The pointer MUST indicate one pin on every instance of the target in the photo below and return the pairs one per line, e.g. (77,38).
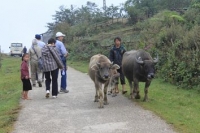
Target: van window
(16,45)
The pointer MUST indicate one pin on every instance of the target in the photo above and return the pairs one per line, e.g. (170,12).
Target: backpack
(40,61)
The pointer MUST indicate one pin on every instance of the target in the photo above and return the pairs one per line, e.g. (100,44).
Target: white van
(16,49)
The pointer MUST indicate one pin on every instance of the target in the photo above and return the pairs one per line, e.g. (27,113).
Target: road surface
(75,112)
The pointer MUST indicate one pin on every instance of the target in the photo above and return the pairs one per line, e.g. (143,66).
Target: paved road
(76,112)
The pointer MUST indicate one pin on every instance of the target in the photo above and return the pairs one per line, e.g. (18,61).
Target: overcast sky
(21,19)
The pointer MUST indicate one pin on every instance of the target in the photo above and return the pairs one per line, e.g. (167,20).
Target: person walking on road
(40,43)
(63,55)
(25,76)
(116,55)
(24,50)
(35,54)
(51,64)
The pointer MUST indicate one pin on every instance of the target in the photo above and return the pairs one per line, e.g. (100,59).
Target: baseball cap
(58,34)
(37,36)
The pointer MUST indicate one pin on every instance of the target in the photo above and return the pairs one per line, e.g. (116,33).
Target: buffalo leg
(136,89)
(96,97)
(147,84)
(131,88)
(100,89)
(105,95)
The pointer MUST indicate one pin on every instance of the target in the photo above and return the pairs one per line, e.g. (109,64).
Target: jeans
(63,84)
(52,76)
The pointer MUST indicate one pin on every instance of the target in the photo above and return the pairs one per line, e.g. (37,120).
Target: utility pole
(104,6)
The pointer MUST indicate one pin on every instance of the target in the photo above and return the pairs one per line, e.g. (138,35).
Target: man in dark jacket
(116,54)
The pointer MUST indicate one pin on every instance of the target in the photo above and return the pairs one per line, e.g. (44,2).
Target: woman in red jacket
(25,77)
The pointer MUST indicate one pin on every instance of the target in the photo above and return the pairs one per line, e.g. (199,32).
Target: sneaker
(54,97)
(47,94)
(39,84)
(64,91)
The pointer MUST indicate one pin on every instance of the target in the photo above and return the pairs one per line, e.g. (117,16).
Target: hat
(37,36)
(58,34)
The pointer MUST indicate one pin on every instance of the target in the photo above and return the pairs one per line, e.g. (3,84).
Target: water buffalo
(100,72)
(113,82)
(138,66)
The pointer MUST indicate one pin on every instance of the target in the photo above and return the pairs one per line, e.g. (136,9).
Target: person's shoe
(47,94)
(39,84)
(64,91)
(124,92)
(54,97)
(34,85)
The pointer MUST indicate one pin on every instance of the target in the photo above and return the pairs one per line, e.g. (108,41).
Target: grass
(10,88)
(177,107)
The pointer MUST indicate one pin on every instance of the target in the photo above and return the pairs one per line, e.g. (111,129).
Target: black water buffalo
(100,71)
(138,66)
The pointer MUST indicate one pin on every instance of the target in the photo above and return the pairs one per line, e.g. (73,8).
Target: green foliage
(177,45)
(174,35)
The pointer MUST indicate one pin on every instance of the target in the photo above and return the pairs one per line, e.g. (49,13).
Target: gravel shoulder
(75,112)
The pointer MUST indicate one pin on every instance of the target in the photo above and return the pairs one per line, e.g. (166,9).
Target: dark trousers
(122,78)
(52,76)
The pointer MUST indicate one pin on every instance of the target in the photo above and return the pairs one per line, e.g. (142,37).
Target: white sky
(21,19)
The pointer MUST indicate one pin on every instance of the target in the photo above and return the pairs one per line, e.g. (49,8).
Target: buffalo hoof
(114,95)
(131,96)
(101,107)
(96,100)
(137,97)
(145,100)
(105,103)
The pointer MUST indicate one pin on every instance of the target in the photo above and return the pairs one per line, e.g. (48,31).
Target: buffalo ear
(115,66)
(94,67)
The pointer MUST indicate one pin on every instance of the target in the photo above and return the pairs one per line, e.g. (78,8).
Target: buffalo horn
(139,61)
(155,59)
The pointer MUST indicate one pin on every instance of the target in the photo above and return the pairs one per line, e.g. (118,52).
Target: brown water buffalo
(100,72)
(113,82)
(138,66)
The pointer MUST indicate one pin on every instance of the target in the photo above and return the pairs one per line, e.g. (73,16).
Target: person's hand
(26,77)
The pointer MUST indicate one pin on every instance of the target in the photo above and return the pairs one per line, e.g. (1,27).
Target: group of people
(53,56)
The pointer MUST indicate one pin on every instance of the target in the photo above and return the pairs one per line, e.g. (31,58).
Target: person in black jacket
(116,54)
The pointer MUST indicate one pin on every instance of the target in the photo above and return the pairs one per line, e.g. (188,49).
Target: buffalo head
(104,69)
(148,67)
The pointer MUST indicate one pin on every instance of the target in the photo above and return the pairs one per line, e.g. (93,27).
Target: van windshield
(16,45)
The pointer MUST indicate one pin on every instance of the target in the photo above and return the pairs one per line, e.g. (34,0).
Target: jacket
(116,55)
(32,54)
(24,70)
(51,58)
